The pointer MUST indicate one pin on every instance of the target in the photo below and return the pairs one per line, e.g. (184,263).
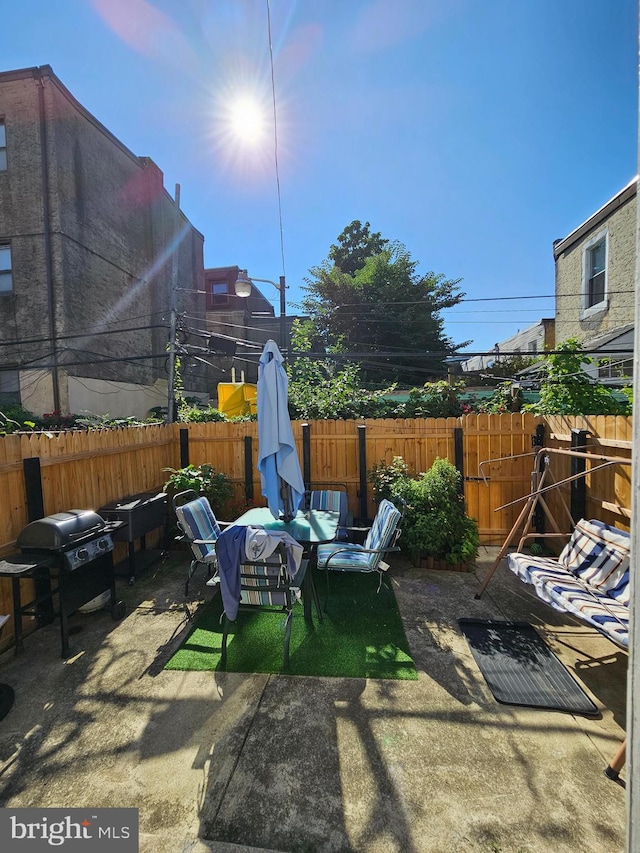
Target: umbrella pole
(285,492)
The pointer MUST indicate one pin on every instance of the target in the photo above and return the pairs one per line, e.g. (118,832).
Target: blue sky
(473,131)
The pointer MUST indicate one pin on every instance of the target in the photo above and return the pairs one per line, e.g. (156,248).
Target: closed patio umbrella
(278,463)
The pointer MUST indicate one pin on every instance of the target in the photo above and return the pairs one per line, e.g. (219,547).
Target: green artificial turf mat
(361,636)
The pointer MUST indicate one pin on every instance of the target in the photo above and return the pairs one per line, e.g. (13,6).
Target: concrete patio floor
(233,762)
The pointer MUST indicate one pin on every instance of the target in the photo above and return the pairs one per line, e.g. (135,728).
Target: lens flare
(247,121)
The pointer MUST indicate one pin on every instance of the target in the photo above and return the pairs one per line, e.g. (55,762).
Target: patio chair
(199,527)
(381,539)
(335,499)
(265,585)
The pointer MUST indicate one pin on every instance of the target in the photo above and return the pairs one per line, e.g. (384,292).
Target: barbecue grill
(75,548)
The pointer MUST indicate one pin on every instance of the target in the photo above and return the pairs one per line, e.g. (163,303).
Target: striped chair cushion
(333,500)
(352,557)
(254,577)
(556,586)
(599,555)
(384,525)
(199,522)
(330,500)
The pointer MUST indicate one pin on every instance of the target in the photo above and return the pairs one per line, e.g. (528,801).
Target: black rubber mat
(521,669)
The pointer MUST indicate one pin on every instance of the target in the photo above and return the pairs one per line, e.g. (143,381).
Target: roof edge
(622,197)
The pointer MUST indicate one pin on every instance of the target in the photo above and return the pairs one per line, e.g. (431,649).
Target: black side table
(7,696)
(141,514)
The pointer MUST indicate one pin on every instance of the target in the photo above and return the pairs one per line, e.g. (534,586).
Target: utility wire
(275,135)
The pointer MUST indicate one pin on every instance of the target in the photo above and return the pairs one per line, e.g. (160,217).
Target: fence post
(362,462)
(538,515)
(458,449)
(578,466)
(184,447)
(45,613)
(33,487)
(248,468)
(306,455)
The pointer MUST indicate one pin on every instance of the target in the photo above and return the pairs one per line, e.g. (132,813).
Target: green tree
(355,244)
(322,389)
(567,390)
(367,297)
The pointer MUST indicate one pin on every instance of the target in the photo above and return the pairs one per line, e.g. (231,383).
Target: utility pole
(173,319)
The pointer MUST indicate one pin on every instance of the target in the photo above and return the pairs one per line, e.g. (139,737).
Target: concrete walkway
(230,762)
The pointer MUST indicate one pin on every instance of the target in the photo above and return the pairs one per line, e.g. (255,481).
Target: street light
(243,289)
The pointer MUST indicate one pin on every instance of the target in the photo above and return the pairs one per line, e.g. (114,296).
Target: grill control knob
(82,554)
(103,545)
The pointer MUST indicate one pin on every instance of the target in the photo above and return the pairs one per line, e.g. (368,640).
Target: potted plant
(436,531)
(217,487)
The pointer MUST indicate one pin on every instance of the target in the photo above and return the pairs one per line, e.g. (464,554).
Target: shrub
(198,415)
(435,523)
(433,400)
(13,417)
(385,477)
(217,487)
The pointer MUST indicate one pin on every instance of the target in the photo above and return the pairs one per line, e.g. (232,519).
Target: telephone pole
(173,319)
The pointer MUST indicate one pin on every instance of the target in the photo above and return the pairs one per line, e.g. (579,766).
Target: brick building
(251,319)
(87,238)
(595,284)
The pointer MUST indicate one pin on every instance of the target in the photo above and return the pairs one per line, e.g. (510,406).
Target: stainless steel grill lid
(60,530)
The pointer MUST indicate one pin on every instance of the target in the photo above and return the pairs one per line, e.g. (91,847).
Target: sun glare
(247,121)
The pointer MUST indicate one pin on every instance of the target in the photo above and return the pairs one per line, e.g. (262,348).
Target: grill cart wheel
(118,610)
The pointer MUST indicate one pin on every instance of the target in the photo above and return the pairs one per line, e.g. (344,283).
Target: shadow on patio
(225,761)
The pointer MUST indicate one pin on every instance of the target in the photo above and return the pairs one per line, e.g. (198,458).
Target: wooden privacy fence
(84,470)
(343,452)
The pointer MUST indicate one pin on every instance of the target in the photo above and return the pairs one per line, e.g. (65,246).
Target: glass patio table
(310,528)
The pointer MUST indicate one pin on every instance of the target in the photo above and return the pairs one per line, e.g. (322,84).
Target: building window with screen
(219,293)
(6,279)
(9,387)
(3,146)
(595,273)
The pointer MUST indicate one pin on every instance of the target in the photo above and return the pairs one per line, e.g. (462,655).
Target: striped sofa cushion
(599,555)
(199,522)
(557,587)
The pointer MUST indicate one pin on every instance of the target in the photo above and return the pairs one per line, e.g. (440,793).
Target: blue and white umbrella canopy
(278,463)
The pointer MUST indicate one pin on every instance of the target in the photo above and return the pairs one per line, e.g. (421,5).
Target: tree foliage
(355,244)
(368,297)
(320,388)
(567,390)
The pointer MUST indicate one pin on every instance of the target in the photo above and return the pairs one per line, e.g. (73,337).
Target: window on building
(219,293)
(532,346)
(9,388)
(3,147)
(595,272)
(615,368)
(6,279)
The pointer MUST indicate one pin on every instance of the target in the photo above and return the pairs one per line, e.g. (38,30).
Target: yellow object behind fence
(237,398)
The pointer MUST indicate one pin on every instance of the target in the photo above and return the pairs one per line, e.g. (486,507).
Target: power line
(275,135)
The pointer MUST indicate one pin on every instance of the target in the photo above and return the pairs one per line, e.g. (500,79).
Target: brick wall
(112,227)
(621,228)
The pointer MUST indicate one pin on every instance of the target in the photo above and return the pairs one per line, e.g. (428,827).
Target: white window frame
(603,305)
(3,146)
(6,273)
